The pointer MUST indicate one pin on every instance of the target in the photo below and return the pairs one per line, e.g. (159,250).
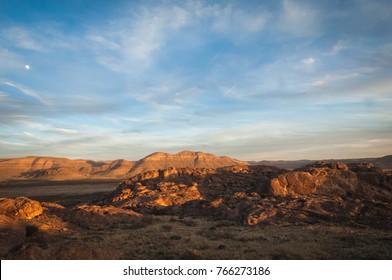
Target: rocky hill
(382,162)
(160,160)
(49,168)
(262,194)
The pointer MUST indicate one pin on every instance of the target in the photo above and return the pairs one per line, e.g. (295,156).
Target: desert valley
(194,205)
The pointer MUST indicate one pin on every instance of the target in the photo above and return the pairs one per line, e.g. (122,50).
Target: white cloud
(42,37)
(26,91)
(17,144)
(308,61)
(139,41)
(299,19)
(104,42)
(22,38)
(133,43)
(333,79)
(338,47)
(63,131)
(233,19)
(9,59)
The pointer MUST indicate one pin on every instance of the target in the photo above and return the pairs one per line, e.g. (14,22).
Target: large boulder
(333,179)
(20,207)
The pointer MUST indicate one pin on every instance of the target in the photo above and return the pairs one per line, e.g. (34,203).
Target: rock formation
(34,230)
(20,207)
(358,180)
(263,194)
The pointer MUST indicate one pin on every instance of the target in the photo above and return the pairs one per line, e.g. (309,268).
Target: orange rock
(21,207)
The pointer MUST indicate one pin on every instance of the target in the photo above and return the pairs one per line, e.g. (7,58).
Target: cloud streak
(26,91)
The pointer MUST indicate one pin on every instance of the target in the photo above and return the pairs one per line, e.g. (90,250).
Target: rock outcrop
(360,180)
(20,207)
(174,187)
(33,230)
(262,194)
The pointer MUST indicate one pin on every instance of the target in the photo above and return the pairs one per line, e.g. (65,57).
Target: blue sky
(252,80)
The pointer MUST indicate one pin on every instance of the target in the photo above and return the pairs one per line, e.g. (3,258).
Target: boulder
(20,207)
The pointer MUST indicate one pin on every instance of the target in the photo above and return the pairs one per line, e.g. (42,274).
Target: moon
(27,67)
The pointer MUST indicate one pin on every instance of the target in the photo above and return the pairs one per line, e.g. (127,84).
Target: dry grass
(171,237)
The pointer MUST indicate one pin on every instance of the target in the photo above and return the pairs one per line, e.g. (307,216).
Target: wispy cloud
(26,91)
(308,61)
(41,37)
(63,131)
(10,60)
(134,42)
(299,19)
(22,38)
(230,19)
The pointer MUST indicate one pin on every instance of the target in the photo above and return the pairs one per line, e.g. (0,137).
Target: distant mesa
(61,169)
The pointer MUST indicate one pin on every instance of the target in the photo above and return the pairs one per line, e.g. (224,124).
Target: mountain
(382,162)
(183,159)
(286,164)
(61,169)
(58,169)
(50,168)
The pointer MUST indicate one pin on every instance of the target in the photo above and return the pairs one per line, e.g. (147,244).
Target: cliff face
(49,168)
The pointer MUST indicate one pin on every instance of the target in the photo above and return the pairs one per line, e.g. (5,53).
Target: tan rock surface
(20,207)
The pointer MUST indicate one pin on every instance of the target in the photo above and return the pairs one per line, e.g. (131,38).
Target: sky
(253,80)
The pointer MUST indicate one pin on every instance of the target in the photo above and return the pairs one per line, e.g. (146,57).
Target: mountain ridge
(384,162)
(58,169)
(62,169)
